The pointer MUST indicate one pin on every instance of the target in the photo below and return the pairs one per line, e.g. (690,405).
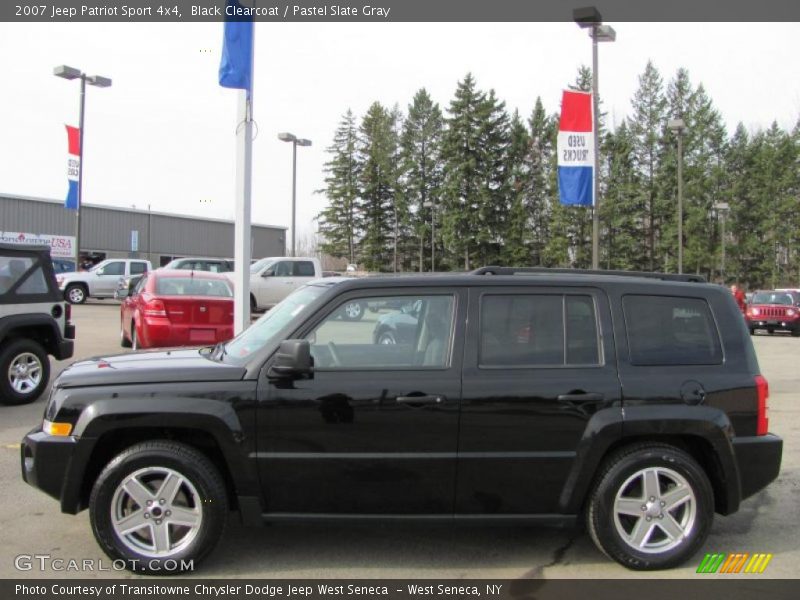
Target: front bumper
(48,462)
(776,323)
(759,461)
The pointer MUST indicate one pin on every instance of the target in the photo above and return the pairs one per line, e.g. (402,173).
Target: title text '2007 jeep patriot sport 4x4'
(632,400)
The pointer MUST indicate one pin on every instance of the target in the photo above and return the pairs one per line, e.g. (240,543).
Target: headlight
(790,313)
(755,312)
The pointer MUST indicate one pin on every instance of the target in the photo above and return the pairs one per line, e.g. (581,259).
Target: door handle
(587,397)
(420,399)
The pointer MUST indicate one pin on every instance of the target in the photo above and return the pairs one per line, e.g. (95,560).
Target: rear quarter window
(670,330)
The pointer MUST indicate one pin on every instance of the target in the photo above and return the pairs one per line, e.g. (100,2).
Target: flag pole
(242,233)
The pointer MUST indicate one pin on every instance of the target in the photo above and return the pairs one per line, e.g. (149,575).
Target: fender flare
(612,427)
(217,419)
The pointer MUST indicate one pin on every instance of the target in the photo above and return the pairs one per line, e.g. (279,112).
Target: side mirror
(292,361)
(121,293)
(100,271)
(268,273)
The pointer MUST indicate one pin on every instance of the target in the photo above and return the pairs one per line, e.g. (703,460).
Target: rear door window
(137,268)
(537,330)
(670,330)
(304,268)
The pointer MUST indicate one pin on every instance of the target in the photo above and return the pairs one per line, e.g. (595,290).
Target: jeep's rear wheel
(159,506)
(25,371)
(651,507)
(75,294)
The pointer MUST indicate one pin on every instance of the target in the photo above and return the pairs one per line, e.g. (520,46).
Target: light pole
(678,127)
(66,72)
(290,137)
(722,208)
(430,205)
(590,18)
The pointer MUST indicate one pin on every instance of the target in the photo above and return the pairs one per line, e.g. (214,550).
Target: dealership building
(111,232)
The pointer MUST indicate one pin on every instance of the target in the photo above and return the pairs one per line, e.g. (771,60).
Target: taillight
(762,389)
(68,311)
(154,308)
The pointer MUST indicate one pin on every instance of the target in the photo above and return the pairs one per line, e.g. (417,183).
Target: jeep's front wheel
(159,506)
(651,507)
(25,371)
(75,294)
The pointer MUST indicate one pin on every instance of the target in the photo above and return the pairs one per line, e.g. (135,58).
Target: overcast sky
(164,133)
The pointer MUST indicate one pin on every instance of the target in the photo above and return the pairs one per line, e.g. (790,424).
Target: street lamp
(70,73)
(590,18)
(678,127)
(428,204)
(722,208)
(290,137)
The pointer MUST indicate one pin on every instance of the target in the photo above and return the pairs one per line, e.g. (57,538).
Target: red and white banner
(61,246)
(73,166)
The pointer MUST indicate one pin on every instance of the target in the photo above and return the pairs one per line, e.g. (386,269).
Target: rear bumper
(759,461)
(162,333)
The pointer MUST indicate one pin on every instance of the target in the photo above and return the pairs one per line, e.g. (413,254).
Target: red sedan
(177,308)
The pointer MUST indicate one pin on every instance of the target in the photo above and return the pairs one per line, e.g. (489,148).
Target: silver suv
(34,322)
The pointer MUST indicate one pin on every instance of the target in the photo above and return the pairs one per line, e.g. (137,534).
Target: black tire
(202,485)
(353,311)
(253,305)
(123,341)
(134,338)
(387,337)
(770,331)
(619,475)
(28,382)
(75,294)
(752,330)
(796,332)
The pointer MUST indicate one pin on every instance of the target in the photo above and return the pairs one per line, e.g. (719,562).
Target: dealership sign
(61,246)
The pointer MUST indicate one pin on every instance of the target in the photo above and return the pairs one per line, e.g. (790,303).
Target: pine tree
(516,250)
(462,154)
(422,169)
(378,177)
(340,222)
(646,126)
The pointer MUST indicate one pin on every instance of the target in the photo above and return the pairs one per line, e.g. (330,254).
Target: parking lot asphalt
(32,524)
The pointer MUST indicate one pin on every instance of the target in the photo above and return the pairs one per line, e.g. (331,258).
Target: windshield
(98,265)
(262,332)
(260,264)
(773,298)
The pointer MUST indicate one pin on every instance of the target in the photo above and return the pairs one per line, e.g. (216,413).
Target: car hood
(163,366)
(72,276)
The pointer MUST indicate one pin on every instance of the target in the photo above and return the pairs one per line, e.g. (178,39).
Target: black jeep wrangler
(34,322)
(633,401)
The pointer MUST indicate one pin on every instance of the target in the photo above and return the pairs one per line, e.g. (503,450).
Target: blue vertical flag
(73,166)
(576,150)
(236,66)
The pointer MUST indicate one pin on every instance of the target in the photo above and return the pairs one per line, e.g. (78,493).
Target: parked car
(215,265)
(398,326)
(774,311)
(631,401)
(175,308)
(273,278)
(63,265)
(34,322)
(101,281)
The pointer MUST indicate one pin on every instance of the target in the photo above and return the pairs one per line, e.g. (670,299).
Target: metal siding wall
(109,230)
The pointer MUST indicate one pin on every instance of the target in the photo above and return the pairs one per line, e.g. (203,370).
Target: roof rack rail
(492,270)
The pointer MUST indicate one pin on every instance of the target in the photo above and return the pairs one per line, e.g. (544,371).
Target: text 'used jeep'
(633,401)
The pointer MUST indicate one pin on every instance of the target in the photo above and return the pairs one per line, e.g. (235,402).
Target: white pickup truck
(275,277)
(101,281)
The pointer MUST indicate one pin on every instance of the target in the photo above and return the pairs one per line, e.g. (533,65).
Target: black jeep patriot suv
(634,401)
